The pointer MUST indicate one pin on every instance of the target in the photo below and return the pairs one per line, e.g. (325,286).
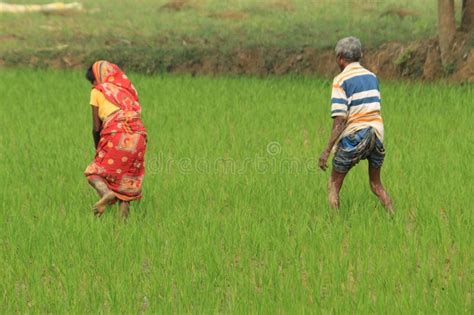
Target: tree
(467,22)
(446,30)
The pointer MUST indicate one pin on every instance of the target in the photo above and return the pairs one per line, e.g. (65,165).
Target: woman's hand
(96,125)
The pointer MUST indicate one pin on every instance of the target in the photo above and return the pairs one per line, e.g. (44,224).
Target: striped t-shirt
(356,96)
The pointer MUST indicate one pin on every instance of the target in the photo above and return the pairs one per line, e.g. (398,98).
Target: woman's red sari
(120,153)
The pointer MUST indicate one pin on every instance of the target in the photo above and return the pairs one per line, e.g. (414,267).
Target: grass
(207,239)
(224,26)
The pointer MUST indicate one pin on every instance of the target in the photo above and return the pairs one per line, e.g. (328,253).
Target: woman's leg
(107,196)
(99,185)
(124,209)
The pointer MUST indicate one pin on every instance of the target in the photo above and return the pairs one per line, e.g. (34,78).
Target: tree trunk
(467,23)
(446,30)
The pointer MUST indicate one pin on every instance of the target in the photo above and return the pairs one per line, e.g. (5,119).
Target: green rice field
(234,217)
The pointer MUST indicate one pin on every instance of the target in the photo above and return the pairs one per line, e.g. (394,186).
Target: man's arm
(96,125)
(338,126)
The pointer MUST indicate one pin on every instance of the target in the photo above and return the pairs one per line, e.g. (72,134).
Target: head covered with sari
(115,85)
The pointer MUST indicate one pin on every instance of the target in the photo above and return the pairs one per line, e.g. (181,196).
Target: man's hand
(323,159)
(338,126)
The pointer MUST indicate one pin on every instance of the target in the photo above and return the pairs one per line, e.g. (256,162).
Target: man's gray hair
(349,48)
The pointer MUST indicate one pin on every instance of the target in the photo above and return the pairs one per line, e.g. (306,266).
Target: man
(357,131)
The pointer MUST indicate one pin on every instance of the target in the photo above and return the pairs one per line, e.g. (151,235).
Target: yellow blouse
(105,107)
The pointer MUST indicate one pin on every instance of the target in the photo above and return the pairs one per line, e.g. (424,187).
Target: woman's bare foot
(124,208)
(107,199)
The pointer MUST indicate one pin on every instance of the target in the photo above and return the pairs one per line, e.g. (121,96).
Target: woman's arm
(96,125)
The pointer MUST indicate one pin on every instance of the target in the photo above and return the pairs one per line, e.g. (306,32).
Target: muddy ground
(419,60)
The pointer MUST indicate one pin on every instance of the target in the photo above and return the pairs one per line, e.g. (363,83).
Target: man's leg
(379,190)
(334,187)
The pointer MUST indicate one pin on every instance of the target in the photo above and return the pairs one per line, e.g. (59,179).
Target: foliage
(234,217)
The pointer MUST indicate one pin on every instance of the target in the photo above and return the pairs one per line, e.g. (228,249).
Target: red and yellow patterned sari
(120,153)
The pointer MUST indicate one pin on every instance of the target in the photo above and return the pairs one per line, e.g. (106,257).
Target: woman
(119,136)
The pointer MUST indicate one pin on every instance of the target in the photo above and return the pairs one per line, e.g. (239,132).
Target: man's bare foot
(334,202)
(334,186)
(390,209)
(107,199)
(124,209)
(378,189)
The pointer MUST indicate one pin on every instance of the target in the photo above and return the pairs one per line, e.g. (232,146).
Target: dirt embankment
(420,60)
